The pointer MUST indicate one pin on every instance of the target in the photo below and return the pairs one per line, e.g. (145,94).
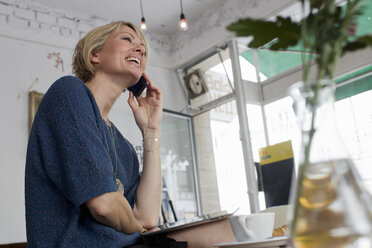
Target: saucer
(266,243)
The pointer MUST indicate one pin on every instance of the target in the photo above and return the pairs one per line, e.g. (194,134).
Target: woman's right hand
(148,110)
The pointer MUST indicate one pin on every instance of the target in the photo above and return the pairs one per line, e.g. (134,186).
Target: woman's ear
(94,58)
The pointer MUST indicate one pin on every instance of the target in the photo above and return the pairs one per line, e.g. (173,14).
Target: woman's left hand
(148,110)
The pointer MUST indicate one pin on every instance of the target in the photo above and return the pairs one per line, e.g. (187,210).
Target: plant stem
(307,145)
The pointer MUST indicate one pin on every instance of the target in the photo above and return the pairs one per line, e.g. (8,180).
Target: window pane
(256,129)
(363,115)
(282,124)
(177,167)
(247,65)
(228,156)
(247,69)
(346,125)
(354,118)
(220,160)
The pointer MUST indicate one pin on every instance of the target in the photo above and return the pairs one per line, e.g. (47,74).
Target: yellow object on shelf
(275,153)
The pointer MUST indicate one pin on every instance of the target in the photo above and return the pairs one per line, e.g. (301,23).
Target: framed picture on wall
(34,99)
(195,84)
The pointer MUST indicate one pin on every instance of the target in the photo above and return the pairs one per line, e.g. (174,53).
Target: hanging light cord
(181,7)
(141,8)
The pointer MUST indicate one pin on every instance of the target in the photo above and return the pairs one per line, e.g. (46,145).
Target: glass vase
(331,208)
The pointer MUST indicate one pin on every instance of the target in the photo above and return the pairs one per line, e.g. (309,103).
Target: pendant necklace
(118,183)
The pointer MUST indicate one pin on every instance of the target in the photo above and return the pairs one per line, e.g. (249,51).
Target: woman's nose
(139,48)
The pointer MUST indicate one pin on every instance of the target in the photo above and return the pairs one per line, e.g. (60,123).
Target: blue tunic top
(70,159)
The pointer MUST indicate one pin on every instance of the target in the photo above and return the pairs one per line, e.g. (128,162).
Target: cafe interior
(231,136)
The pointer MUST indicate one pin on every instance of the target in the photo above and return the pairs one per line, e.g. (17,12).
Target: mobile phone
(139,87)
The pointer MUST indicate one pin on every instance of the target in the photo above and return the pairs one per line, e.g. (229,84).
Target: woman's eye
(127,39)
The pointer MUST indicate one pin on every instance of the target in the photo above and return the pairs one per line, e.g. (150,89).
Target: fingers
(131,101)
(152,90)
(153,229)
(135,102)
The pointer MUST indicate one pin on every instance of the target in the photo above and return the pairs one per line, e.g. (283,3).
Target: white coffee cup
(256,226)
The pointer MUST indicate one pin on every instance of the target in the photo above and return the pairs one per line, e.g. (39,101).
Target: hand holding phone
(139,87)
(147,110)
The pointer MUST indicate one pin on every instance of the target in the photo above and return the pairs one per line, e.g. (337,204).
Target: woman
(78,165)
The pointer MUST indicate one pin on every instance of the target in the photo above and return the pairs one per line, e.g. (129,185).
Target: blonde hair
(93,41)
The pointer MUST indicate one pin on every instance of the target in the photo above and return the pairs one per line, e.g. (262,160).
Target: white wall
(22,64)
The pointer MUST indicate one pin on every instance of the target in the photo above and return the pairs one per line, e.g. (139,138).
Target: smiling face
(122,56)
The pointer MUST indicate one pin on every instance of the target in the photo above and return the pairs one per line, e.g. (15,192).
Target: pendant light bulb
(143,24)
(183,23)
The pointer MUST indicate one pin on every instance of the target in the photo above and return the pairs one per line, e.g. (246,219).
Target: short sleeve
(74,151)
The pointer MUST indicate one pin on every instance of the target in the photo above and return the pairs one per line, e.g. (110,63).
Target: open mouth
(133,59)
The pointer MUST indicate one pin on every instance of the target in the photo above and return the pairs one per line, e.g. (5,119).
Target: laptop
(182,224)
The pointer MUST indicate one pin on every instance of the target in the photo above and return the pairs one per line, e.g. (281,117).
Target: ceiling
(161,16)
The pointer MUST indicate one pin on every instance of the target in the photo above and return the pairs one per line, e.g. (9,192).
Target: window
(354,120)
(229,162)
(355,126)
(177,167)
(221,166)
(353,101)
(282,124)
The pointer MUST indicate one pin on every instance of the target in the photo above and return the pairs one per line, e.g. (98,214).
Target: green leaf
(361,42)
(283,30)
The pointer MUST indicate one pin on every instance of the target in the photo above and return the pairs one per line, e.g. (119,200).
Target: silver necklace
(117,181)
